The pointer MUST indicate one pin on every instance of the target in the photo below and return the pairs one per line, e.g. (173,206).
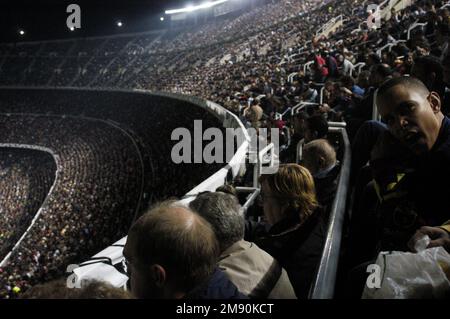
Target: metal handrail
(291,76)
(413,26)
(323,286)
(258,167)
(375,113)
(254,193)
(445,5)
(307,65)
(389,46)
(301,106)
(337,124)
(357,66)
(299,153)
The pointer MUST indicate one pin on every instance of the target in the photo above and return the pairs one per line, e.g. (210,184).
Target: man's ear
(158,274)
(435,102)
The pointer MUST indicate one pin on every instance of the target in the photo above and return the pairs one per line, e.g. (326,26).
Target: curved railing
(324,284)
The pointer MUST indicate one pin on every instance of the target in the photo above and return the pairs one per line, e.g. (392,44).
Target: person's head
(363,79)
(422,48)
(378,74)
(412,113)
(224,214)
(58,289)
(373,59)
(290,193)
(299,123)
(170,250)
(228,189)
(316,127)
(347,81)
(318,156)
(429,70)
(442,33)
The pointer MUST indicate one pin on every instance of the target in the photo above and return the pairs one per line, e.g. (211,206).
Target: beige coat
(255,272)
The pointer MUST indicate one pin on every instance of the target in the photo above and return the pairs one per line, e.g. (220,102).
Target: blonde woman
(293,231)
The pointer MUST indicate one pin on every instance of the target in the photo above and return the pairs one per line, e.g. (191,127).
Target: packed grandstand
(86,140)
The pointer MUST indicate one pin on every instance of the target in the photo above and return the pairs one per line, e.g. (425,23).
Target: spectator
(321,70)
(166,261)
(58,290)
(429,70)
(416,125)
(289,154)
(319,157)
(295,234)
(332,65)
(442,34)
(250,268)
(345,65)
(316,127)
(349,83)
(254,114)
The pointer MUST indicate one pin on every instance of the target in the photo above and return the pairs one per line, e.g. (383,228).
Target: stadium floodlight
(119,24)
(191,8)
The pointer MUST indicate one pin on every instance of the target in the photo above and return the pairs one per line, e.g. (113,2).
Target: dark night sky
(46,19)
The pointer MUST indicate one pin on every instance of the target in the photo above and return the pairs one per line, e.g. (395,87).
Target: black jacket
(326,188)
(297,247)
(413,190)
(218,286)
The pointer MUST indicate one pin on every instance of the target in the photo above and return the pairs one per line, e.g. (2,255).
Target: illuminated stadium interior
(341,152)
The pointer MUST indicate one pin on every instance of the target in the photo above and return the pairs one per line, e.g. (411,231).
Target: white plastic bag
(406,275)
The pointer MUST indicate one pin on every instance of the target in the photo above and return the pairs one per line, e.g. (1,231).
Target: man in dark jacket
(289,155)
(413,183)
(319,157)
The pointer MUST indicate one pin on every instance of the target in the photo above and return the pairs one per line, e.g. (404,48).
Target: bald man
(319,157)
(411,161)
(171,253)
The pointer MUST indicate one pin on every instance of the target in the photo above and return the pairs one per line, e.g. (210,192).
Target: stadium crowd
(108,171)
(26,178)
(400,160)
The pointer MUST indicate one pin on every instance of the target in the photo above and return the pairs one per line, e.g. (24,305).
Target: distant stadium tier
(78,166)
(26,176)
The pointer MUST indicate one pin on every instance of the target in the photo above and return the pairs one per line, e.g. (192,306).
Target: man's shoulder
(219,286)
(244,252)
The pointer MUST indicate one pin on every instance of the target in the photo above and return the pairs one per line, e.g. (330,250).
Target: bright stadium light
(195,8)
